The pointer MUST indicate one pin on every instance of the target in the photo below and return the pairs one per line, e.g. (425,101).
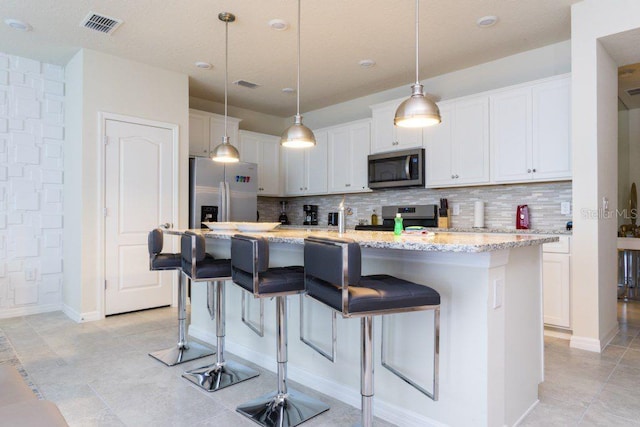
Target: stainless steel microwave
(397,169)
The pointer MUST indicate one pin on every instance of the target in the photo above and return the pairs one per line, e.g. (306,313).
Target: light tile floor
(99,374)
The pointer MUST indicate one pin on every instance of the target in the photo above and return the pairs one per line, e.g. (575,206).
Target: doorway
(139,188)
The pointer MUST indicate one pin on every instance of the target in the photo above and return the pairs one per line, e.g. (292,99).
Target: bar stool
(158,261)
(199,266)
(333,277)
(250,270)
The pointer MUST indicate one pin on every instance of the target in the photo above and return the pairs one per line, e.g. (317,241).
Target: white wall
(31,200)
(520,68)
(115,85)
(594,109)
(624,163)
(634,146)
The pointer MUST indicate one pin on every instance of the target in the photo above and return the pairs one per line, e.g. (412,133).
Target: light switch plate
(498,289)
(565,208)
(456,209)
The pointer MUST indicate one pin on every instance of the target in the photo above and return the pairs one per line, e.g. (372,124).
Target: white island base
(491,335)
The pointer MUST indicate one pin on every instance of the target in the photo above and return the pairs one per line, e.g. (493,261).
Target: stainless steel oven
(397,169)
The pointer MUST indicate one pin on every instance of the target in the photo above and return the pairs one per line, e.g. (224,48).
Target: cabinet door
(471,141)
(339,152)
(198,134)
(348,148)
(294,171)
(388,137)
(269,166)
(360,149)
(552,130)
(510,127)
(556,279)
(316,165)
(249,147)
(438,143)
(383,133)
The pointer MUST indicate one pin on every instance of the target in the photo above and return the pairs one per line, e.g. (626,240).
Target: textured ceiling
(336,34)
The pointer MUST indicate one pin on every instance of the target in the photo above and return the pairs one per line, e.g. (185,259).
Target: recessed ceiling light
(367,63)
(278,24)
(288,90)
(487,21)
(204,65)
(18,25)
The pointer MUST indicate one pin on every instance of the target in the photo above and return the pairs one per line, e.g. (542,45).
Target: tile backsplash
(544,201)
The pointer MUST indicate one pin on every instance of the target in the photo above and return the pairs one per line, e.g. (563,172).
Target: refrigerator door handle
(227,195)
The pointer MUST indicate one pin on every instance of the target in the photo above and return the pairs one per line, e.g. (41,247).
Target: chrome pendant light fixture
(298,135)
(417,111)
(225,152)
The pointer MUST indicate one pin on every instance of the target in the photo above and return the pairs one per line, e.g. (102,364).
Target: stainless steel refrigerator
(222,191)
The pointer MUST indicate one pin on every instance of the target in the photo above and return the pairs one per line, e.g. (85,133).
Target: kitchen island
(491,330)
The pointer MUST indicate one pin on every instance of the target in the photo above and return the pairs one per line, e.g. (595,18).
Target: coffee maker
(284,219)
(310,214)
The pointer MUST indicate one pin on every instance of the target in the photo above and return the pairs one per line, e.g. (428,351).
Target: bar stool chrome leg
(183,351)
(284,407)
(222,373)
(366,375)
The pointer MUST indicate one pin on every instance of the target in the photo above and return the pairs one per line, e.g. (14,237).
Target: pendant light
(417,111)
(298,135)
(225,152)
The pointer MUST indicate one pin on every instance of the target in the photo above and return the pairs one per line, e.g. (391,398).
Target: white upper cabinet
(531,132)
(305,169)
(265,151)
(348,151)
(206,131)
(457,150)
(388,137)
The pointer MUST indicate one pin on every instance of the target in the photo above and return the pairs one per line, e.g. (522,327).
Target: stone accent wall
(31,177)
(500,204)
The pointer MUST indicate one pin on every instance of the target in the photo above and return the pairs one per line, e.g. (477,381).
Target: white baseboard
(610,336)
(584,343)
(80,317)
(6,313)
(557,333)
(527,412)
(350,396)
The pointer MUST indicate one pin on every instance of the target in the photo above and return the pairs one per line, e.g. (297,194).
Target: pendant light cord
(417,41)
(298,90)
(226,67)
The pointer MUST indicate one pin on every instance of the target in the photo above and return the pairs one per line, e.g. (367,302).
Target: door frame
(100,191)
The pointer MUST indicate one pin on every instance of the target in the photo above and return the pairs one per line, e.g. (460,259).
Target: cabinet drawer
(560,247)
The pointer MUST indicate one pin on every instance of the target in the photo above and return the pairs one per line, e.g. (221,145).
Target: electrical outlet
(565,208)
(456,209)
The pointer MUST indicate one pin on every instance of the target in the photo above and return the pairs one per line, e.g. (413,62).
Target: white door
(138,197)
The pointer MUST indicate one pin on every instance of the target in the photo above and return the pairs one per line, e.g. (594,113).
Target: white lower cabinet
(265,151)
(305,169)
(348,147)
(556,279)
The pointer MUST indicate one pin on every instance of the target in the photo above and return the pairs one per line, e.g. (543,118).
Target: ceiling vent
(246,84)
(633,92)
(100,23)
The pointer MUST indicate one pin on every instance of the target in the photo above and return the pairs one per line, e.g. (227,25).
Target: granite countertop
(437,242)
(554,232)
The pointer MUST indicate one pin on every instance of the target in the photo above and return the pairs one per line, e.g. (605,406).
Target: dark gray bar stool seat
(333,277)
(158,261)
(202,267)
(250,270)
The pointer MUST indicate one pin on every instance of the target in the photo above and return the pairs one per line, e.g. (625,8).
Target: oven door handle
(407,165)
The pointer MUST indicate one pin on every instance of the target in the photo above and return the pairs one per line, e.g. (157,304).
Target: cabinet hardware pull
(457,176)
(528,170)
(347,185)
(534,171)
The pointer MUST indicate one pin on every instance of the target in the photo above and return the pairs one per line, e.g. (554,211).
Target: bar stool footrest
(218,376)
(274,410)
(176,355)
